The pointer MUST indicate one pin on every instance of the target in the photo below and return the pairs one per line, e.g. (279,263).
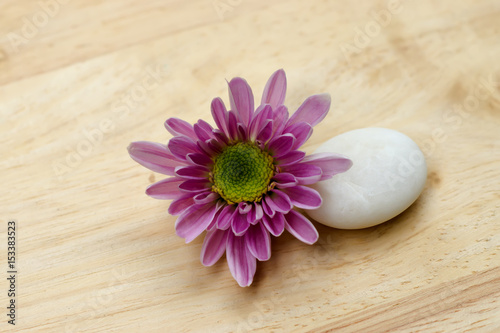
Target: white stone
(387,176)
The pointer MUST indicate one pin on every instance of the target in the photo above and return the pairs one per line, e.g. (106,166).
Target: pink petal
(284,180)
(281,145)
(267,210)
(266,132)
(213,224)
(241,98)
(280,118)
(312,111)
(215,145)
(301,132)
(259,121)
(203,125)
(278,201)
(205,197)
(240,224)
(195,185)
(194,221)
(225,218)
(306,174)
(275,225)
(214,246)
(259,110)
(244,208)
(178,127)
(221,137)
(203,130)
(154,156)
(275,90)
(232,125)
(211,147)
(181,146)
(301,228)
(291,157)
(192,172)
(241,262)
(259,242)
(199,159)
(219,113)
(255,214)
(242,132)
(165,189)
(303,197)
(219,205)
(178,206)
(330,164)
(251,215)
(258,211)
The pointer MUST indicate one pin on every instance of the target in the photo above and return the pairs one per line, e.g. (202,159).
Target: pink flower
(241,181)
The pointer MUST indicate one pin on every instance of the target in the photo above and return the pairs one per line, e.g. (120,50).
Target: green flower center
(242,172)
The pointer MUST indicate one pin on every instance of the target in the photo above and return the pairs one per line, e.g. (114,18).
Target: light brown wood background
(95,254)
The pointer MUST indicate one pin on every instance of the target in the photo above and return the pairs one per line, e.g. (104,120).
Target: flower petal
(219,113)
(203,130)
(216,145)
(211,147)
(291,157)
(180,146)
(258,211)
(281,145)
(221,137)
(275,225)
(205,126)
(244,207)
(165,189)
(195,220)
(259,242)
(275,90)
(267,210)
(214,246)
(241,262)
(301,227)
(154,156)
(213,224)
(259,121)
(199,159)
(241,98)
(303,197)
(195,185)
(278,201)
(266,132)
(192,172)
(330,164)
(284,180)
(205,197)
(225,218)
(242,132)
(239,224)
(179,205)
(232,125)
(312,111)
(255,214)
(179,127)
(280,118)
(301,132)
(306,174)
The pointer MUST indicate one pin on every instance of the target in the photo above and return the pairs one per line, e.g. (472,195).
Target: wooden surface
(95,254)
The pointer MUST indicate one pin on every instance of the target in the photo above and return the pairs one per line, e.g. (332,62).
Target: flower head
(241,181)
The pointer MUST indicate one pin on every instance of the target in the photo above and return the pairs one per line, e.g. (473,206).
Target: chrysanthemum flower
(242,180)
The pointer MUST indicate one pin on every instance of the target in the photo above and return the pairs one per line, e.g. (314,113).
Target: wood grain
(97,255)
